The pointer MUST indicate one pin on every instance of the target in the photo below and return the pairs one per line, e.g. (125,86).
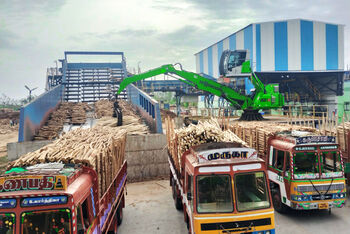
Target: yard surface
(150,209)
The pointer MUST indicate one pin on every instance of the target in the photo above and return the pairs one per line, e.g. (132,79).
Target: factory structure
(305,57)
(84,81)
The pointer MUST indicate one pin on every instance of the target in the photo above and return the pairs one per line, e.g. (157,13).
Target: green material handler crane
(263,97)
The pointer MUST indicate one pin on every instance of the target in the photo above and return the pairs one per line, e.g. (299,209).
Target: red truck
(306,170)
(60,198)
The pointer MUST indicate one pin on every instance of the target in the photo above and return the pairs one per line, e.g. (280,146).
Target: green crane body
(265,96)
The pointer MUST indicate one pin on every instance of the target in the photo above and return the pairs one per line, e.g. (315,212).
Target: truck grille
(236,225)
(320,188)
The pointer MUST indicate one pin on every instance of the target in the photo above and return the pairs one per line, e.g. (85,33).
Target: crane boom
(265,97)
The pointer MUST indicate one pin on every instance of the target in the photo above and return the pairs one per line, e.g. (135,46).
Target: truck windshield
(251,191)
(330,164)
(7,223)
(46,222)
(306,165)
(214,194)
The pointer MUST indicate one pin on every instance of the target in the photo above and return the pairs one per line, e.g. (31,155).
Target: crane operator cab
(231,62)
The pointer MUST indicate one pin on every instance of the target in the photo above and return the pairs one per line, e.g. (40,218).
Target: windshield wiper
(329,186)
(315,188)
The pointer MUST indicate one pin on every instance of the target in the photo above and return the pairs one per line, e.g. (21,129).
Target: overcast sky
(35,33)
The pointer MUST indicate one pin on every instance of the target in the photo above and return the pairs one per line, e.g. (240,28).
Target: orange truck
(222,188)
(60,198)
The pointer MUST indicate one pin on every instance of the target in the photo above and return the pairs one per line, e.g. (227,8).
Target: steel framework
(88,81)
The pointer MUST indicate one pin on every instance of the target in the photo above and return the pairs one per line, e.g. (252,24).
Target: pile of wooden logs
(101,148)
(181,140)
(103,108)
(256,133)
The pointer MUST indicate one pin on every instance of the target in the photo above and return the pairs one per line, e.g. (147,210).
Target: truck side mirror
(189,196)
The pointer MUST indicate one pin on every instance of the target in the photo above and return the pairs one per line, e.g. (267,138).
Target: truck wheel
(173,188)
(178,203)
(188,225)
(277,202)
(177,199)
(119,215)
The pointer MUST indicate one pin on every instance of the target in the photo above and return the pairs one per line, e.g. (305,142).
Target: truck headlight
(339,195)
(268,232)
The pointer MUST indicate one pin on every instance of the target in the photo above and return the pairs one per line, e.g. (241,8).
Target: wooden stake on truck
(343,139)
(74,185)
(218,181)
(306,170)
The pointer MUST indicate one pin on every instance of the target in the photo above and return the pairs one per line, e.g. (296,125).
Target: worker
(188,121)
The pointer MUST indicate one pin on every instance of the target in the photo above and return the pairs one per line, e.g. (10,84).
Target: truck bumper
(318,205)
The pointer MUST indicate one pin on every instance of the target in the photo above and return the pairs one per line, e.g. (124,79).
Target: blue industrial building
(305,57)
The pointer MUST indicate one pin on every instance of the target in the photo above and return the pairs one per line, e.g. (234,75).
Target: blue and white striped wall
(293,45)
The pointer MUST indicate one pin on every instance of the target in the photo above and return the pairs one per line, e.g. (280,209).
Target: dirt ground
(150,208)
(7,137)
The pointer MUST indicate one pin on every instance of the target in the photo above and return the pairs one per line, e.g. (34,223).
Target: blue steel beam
(92,53)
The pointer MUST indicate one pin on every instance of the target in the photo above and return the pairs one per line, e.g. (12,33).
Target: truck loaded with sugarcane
(219,183)
(74,185)
(306,169)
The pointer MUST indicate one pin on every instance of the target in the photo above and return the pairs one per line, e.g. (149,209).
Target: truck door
(281,165)
(277,162)
(287,173)
(84,216)
(190,190)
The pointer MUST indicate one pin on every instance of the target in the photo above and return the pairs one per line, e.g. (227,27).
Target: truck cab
(57,198)
(225,190)
(305,171)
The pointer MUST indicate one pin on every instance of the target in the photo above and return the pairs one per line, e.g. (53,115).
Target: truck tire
(177,199)
(173,188)
(178,203)
(119,215)
(188,225)
(277,202)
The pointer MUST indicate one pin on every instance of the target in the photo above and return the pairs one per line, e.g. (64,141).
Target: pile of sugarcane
(100,148)
(78,114)
(127,108)
(256,133)
(181,140)
(54,124)
(67,112)
(343,138)
(5,126)
(131,124)
(103,108)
